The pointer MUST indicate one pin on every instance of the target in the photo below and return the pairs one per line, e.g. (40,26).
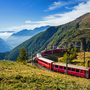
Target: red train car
(72,69)
(60,50)
(45,62)
(46,52)
(61,67)
(53,51)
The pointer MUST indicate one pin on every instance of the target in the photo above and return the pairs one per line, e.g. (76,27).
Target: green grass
(16,76)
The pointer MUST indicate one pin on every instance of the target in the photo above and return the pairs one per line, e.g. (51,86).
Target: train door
(86,74)
(51,66)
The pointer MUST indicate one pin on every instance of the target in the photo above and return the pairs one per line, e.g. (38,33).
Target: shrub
(76,49)
(69,57)
(72,49)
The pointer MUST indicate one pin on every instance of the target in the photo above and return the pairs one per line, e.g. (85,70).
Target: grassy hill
(16,76)
(75,31)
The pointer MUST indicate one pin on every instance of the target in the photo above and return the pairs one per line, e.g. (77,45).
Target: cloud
(58,19)
(56,5)
(68,7)
(55,19)
(52,16)
(60,4)
(5,35)
(28,22)
(14,41)
(18,28)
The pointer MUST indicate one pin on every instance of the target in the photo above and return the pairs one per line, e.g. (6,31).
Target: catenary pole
(66,66)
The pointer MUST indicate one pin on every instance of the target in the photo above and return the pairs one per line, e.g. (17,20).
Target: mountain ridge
(56,35)
(17,38)
(26,32)
(86,16)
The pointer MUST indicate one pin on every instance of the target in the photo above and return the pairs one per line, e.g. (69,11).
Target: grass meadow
(17,76)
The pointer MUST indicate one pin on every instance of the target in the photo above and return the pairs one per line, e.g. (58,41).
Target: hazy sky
(16,15)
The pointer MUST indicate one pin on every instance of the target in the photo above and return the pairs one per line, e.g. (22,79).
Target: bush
(69,57)
(75,49)
(72,49)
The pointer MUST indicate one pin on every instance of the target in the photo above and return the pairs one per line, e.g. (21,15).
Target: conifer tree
(22,55)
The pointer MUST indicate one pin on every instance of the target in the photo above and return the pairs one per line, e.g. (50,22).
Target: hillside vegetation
(16,76)
(75,31)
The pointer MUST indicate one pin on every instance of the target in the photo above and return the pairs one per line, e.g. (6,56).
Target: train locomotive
(61,67)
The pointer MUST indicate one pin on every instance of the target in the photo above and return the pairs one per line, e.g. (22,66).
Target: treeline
(70,55)
(4,55)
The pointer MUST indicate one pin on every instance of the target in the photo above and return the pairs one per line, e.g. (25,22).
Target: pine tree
(22,55)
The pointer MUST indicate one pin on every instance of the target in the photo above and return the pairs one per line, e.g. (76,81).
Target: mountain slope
(75,31)
(17,38)
(4,47)
(34,43)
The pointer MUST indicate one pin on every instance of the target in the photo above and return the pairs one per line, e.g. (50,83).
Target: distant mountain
(33,32)
(75,31)
(23,35)
(4,47)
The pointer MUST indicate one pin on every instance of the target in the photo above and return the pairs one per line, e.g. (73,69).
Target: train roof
(39,55)
(52,49)
(45,59)
(71,65)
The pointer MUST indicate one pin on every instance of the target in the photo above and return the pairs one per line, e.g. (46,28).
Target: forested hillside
(75,31)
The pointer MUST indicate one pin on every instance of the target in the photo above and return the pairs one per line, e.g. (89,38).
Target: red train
(61,67)
(53,51)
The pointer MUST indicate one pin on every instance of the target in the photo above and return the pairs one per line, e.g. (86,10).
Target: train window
(44,62)
(48,52)
(61,67)
(69,68)
(77,70)
(65,68)
(56,66)
(81,71)
(73,69)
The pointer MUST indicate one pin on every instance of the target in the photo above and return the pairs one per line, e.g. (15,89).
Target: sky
(16,15)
